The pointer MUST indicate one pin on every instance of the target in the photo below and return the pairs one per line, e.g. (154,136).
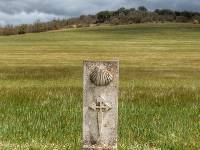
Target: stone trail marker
(100,105)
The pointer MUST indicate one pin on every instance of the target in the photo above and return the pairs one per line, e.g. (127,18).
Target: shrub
(181,19)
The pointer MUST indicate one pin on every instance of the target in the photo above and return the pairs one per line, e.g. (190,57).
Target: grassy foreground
(41,86)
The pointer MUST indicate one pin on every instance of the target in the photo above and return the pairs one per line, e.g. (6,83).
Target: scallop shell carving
(101,77)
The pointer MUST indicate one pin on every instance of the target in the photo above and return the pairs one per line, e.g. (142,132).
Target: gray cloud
(27,11)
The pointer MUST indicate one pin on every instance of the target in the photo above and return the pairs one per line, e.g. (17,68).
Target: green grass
(159,104)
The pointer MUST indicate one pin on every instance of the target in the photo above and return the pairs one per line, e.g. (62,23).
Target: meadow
(159,97)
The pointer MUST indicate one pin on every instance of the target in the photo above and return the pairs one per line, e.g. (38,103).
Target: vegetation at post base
(159,98)
(117,17)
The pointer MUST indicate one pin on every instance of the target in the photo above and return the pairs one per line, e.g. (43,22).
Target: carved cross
(100,106)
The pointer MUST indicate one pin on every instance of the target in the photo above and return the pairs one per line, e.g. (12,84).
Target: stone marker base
(96,147)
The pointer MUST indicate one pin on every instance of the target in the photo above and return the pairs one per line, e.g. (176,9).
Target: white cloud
(24,17)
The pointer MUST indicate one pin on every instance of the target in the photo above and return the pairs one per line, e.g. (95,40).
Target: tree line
(117,17)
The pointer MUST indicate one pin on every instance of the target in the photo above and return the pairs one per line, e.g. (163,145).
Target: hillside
(122,16)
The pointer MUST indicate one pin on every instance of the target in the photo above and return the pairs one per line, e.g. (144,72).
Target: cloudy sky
(28,11)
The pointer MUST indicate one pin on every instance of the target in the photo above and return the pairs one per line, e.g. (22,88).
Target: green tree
(22,29)
(103,16)
(142,8)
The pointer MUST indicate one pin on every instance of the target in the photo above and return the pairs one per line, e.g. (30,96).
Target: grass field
(159,105)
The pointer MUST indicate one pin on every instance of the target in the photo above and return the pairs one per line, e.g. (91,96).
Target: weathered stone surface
(100,104)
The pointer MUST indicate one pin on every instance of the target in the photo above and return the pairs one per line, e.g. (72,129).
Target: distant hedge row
(120,16)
